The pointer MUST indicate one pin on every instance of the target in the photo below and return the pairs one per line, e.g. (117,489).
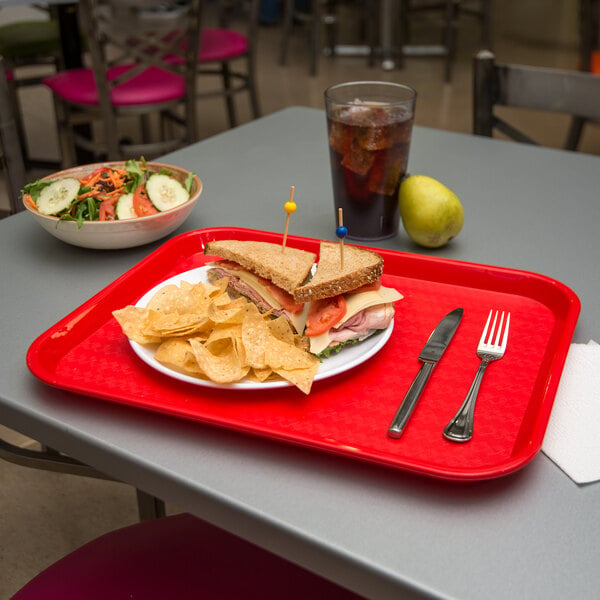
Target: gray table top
(533,534)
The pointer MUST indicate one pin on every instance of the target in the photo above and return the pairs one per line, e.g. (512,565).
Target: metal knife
(432,352)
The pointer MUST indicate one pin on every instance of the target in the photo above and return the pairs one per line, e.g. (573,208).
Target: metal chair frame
(53,58)
(10,146)
(134,31)
(451,11)
(323,14)
(536,88)
(235,80)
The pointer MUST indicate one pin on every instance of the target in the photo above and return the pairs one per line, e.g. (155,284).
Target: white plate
(347,359)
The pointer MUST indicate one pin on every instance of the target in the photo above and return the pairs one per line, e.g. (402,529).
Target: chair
(316,14)
(451,12)
(10,144)
(536,88)
(140,70)
(25,45)
(223,49)
(589,58)
(179,557)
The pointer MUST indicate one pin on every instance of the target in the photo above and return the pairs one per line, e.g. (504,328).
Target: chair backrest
(149,34)
(242,16)
(10,146)
(538,88)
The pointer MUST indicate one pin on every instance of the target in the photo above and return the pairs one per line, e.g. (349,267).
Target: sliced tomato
(106,211)
(324,314)
(284,298)
(229,264)
(141,203)
(368,287)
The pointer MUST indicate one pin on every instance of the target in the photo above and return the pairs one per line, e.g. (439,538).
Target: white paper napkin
(572,438)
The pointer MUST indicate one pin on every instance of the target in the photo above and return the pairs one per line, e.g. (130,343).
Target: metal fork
(460,428)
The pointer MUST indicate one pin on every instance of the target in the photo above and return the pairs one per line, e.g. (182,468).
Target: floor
(44,515)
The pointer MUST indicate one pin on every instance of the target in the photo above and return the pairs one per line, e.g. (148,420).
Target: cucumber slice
(124,208)
(165,192)
(58,196)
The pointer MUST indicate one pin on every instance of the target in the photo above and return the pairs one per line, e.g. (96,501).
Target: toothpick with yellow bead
(289,207)
(341,233)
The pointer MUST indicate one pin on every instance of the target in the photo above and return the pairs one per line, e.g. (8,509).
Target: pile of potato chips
(200,331)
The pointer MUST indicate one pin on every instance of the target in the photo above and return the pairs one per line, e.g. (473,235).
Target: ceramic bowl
(111,235)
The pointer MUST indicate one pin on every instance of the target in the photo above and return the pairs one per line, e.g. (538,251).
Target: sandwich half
(348,304)
(266,273)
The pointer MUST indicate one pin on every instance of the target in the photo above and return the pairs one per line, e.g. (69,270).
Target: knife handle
(407,406)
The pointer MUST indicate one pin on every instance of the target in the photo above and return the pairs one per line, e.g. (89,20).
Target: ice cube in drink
(369,144)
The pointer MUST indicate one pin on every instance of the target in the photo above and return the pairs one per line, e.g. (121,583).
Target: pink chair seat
(151,86)
(176,557)
(221,44)
(9,75)
(216,45)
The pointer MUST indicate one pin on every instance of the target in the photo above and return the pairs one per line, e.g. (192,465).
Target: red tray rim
(570,307)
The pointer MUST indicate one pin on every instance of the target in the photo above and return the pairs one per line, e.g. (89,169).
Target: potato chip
(279,355)
(255,334)
(281,329)
(176,353)
(260,374)
(201,331)
(134,323)
(232,312)
(301,378)
(222,337)
(175,324)
(222,368)
(172,299)
(293,364)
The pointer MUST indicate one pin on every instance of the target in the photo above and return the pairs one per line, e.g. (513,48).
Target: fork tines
(488,340)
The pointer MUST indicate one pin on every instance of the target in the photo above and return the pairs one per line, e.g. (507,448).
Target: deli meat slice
(242,288)
(362,324)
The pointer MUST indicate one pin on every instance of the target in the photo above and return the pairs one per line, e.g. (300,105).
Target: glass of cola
(369,125)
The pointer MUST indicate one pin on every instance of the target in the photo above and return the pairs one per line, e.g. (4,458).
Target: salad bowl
(115,233)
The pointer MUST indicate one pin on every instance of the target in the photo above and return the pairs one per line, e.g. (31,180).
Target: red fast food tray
(349,414)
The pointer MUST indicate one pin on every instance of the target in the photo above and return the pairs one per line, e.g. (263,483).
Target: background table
(534,534)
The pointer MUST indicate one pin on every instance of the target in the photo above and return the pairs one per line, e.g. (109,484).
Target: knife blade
(432,352)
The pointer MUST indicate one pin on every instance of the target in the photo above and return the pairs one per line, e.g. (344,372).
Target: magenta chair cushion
(151,86)
(9,75)
(216,45)
(179,557)
(221,44)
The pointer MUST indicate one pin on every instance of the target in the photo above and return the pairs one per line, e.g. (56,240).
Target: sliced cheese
(251,280)
(355,303)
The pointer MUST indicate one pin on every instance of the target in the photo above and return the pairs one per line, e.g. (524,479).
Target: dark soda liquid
(368,146)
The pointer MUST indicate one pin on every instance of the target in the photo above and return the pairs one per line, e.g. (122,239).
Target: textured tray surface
(349,414)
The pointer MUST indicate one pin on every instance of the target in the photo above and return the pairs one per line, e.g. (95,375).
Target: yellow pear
(431,213)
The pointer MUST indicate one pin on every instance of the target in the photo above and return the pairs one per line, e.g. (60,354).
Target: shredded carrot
(92,177)
(102,187)
(116,179)
(30,201)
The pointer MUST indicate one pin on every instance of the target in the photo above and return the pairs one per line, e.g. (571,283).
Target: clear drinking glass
(370,127)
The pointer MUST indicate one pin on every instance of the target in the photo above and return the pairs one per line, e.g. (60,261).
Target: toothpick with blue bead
(341,232)
(289,207)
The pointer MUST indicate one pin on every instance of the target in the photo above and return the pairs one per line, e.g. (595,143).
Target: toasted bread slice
(287,268)
(361,267)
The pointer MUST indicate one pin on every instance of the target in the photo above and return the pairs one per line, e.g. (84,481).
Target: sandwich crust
(361,266)
(287,268)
